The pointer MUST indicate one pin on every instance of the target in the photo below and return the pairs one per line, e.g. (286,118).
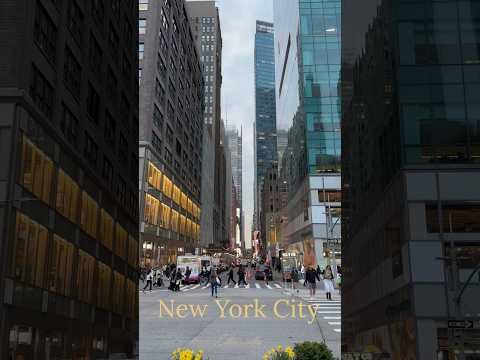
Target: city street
(235,333)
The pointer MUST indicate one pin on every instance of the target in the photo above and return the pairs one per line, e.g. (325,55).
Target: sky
(237,21)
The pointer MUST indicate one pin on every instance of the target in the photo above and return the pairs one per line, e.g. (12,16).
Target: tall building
(265,120)
(411,171)
(235,146)
(282,143)
(205,24)
(307,63)
(69,175)
(171,127)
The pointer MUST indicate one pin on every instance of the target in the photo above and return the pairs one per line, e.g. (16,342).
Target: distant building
(205,24)
(68,180)
(265,131)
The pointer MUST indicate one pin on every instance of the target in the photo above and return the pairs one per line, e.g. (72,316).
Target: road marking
(334,323)
(328,312)
(277,286)
(196,286)
(226,286)
(248,286)
(257,286)
(268,286)
(337,330)
(332,317)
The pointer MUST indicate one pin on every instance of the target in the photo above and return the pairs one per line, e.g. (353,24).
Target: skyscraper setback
(69,179)
(171,128)
(265,116)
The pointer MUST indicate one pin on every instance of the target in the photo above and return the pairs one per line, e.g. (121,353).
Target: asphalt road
(242,323)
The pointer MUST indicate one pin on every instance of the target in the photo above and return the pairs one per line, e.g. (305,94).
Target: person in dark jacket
(173,276)
(188,272)
(294,279)
(311,278)
(178,280)
(241,276)
(230,276)
(215,282)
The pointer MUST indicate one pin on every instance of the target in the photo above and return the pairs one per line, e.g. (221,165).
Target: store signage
(463,324)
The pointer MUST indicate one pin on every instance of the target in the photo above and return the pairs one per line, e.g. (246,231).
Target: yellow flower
(279,348)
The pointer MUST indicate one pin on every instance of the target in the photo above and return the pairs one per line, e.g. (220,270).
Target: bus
(194,263)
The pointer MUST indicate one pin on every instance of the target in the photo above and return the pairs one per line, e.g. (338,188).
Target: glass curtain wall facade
(265,116)
(410,122)
(307,62)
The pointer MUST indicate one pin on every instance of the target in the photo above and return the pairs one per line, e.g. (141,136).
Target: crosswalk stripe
(334,323)
(332,317)
(268,286)
(337,330)
(257,286)
(277,286)
(226,286)
(196,286)
(328,312)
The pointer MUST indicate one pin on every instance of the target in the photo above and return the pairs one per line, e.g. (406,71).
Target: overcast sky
(237,21)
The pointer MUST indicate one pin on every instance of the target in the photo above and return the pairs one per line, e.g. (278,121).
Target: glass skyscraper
(265,119)
(307,65)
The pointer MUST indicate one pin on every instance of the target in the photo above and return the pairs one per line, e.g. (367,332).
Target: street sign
(463,324)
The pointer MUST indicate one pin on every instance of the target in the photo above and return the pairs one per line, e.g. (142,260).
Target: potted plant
(310,350)
(280,354)
(187,354)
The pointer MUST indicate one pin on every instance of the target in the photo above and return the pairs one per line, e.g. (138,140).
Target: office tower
(68,205)
(307,63)
(205,24)
(171,127)
(282,142)
(410,165)
(265,120)
(235,146)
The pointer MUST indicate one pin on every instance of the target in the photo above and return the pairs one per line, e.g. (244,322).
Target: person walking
(241,276)
(188,272)
(178,279)
(295,279)
(311,277)
(266,274)
(230,276)
(215,282)
(328,282)
(173,276)
(149,280)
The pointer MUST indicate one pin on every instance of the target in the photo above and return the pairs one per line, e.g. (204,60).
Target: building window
(67,196)
(45,33)
(106,229)
(110,129)
(154,176)
(457,218)
(156,142)
(142,26)
(104,281)
(84,279)
(118,292)
(141,50)
(329,196)
(121,238)
(159,92)
(75,22)
(60,269)
(93,103)
(89,215)
(157,117)
(168,156)
(98,12)
(91,150)
(72,73)
(28,262)
(165,216)
(121,190)
(122,148)
(165,24)
(69,125)
(36,171)
(107,172)
(41,92)
(132,251)
(152,207)
(167,187)
(113,42)
(161,67)
(112,85)
(95,55)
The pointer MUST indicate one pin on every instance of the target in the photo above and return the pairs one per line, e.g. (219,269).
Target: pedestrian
(173,276)
(294,279)
(310,280)
(328,282)
(302,272)
(187,275)
(149,280)
(230,276)
(319,271)
(241,276)
(159,277)
(178,279)
(215,282)
(266,273)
